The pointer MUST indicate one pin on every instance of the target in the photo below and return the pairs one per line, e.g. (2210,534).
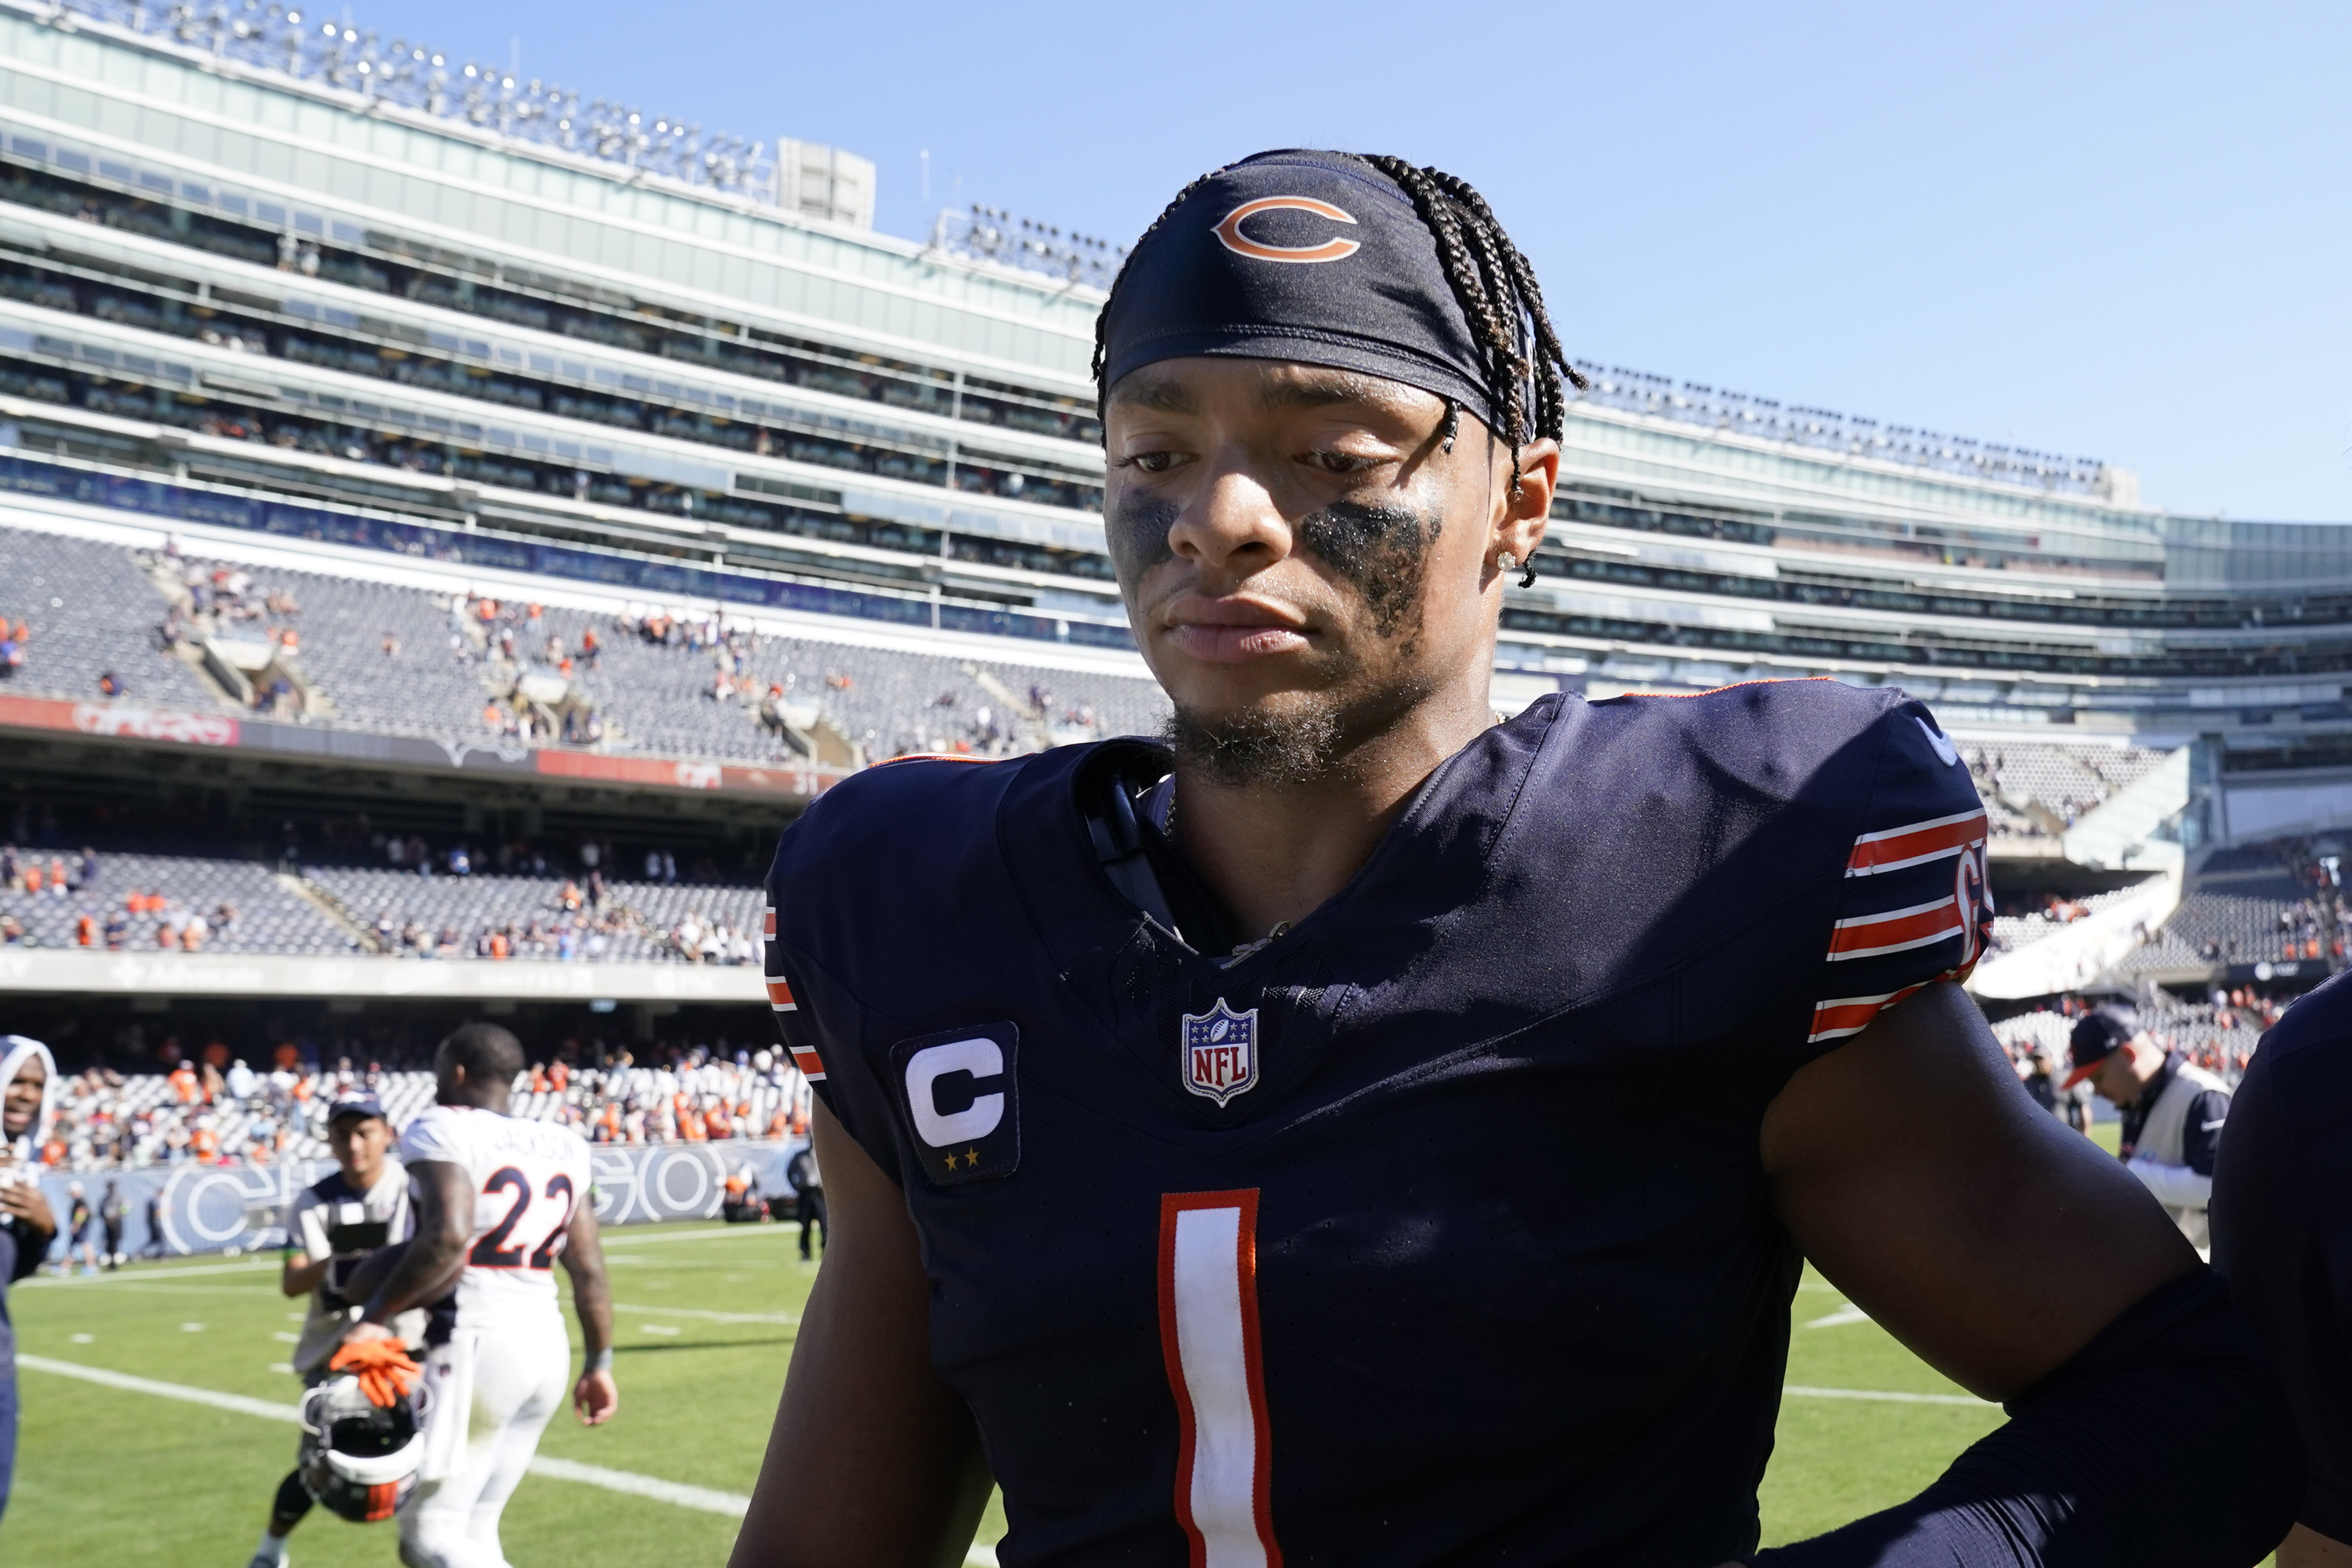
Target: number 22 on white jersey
(548,1211)
(529,1179)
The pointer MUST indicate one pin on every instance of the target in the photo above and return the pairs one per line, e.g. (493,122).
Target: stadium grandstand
(447,528)
(197,1111)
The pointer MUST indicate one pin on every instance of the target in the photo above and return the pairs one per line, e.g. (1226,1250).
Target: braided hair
(1102,317)
(1527,372)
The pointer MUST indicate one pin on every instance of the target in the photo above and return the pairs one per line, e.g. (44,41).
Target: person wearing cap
(2282,1217)
(331,1230)
(2173,1111)
(1118,1050)
(27,1224)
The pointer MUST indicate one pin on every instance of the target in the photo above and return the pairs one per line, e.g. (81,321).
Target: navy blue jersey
(2282,1219)
(1434,1229)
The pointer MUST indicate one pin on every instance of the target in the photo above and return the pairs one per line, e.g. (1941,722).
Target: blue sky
(2119,231)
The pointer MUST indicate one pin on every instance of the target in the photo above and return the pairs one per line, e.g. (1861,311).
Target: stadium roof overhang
(161,976)
(136,725)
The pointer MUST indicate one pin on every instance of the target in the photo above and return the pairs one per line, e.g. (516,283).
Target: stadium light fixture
(339,54)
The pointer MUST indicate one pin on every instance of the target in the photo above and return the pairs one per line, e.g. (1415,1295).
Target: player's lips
(1232,630)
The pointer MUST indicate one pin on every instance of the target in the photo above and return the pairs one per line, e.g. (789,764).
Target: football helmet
(359,1458)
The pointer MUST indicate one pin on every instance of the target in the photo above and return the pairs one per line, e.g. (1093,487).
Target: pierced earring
(1505,561)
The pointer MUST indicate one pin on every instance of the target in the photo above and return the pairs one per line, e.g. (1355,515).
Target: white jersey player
(500,1202)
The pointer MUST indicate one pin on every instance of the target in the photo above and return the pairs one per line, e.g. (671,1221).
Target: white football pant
(492,1394)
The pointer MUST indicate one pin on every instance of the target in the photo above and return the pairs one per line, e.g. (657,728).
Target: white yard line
(164,1288)
(269,1410)
(613,1239)
(790,1318)
(1888,1395)
(705,1499)
(1839,1318)
(732,1504)
(135,1275)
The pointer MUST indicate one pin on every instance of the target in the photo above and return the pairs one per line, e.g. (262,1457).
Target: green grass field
(108,1476)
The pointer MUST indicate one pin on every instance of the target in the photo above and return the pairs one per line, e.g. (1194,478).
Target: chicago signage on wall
(180,1209)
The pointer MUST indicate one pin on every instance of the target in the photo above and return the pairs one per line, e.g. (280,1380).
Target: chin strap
(1117,840)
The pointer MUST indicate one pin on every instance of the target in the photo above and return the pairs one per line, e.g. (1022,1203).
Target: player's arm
(22,1202)
(307,1255)
(2307,1548)
(303,1274)
(2015,1258)
(874,1461)
(441,1201)
(2277,1203)
(596,1397)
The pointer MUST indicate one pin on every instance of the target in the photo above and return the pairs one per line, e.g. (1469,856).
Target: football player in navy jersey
(1356,1133)
(2282,1221)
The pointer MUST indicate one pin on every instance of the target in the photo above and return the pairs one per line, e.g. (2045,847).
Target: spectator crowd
(2219,1033)
(213,1109)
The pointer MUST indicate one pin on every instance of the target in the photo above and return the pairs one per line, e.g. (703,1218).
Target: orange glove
(384,1370)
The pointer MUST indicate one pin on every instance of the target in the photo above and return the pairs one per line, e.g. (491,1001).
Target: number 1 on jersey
(1209,1336)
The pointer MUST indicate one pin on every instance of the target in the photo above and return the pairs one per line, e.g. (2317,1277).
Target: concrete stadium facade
(234,275)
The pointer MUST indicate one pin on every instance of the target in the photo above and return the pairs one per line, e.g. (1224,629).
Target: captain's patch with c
(960,1097)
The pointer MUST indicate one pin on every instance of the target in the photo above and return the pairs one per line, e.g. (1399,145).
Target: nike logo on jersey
(1944,749)
(961,1101)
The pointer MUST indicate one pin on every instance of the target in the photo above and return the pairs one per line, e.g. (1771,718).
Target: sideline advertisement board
(179,1210)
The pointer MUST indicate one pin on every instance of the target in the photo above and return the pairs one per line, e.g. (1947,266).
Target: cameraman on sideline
(2173,1113)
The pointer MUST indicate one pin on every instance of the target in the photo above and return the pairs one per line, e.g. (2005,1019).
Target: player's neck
(1274,853)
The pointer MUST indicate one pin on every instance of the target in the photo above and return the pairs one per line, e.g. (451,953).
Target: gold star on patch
(971,1159)
(952,1161)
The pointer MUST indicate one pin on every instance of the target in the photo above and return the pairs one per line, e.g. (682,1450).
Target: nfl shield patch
(1221,1052)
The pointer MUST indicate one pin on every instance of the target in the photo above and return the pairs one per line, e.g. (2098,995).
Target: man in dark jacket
(808,1192)
(26,1225)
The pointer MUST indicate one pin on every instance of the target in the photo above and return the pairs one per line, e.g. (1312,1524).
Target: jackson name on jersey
(1433,1229)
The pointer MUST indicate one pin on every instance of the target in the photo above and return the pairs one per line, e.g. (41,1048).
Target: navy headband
(1313,257)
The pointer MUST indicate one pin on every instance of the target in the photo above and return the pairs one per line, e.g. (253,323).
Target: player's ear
(1520,519)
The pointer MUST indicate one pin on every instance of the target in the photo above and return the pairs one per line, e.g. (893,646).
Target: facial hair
(1383,552)
(1312,739)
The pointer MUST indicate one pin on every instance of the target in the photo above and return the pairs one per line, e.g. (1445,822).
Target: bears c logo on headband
(1229,232)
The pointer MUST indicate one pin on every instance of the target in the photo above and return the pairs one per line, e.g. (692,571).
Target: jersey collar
(1139,980)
